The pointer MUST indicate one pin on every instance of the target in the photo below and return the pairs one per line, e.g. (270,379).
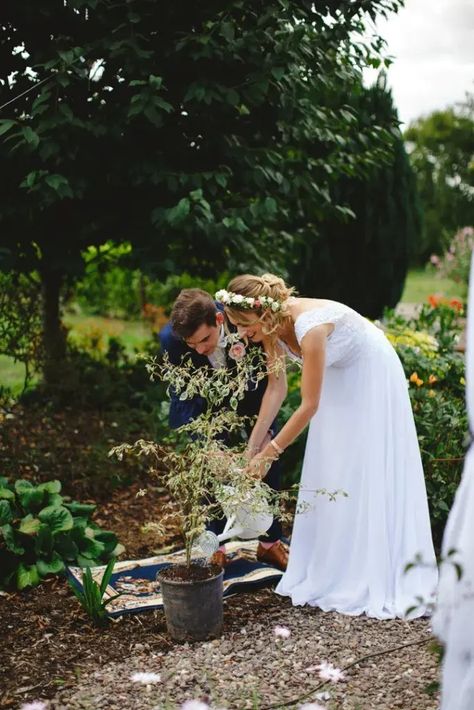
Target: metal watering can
(246,519)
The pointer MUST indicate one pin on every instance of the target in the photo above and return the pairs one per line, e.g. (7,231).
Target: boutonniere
(237,350)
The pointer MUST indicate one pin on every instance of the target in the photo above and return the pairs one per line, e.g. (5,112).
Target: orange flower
(433,300)
(432,379)
(415,379)
(431,393)
(456,304)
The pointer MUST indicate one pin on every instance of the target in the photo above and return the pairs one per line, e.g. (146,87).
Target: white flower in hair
(228,298)
(223,296)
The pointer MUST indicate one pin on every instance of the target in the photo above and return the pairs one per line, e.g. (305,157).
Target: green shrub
(41,532)
(435,374)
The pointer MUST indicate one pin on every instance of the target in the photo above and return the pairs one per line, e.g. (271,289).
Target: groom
(196,328)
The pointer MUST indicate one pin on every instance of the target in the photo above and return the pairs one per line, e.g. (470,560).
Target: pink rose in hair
(237,351)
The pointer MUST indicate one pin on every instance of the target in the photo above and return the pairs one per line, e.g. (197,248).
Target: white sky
(432,42)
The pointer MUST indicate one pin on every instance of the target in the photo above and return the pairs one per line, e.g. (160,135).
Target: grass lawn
(84,330)
(420,284)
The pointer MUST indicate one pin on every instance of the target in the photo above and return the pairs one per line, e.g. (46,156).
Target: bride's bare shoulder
(297,306)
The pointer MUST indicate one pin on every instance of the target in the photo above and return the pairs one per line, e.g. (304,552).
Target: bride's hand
(258,466)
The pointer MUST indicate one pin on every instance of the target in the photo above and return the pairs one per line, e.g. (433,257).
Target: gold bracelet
(277,448)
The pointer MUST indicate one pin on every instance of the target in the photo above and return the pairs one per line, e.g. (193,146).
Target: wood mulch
(51,651)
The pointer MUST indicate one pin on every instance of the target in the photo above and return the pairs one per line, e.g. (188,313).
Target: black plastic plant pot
(193,607)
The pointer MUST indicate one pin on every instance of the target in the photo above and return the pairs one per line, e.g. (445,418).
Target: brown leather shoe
(276,555)
(219,558)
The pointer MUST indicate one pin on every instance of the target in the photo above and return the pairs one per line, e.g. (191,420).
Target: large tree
(203,133)
(441,147)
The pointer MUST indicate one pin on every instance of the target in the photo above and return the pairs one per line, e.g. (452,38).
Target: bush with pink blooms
(455,262)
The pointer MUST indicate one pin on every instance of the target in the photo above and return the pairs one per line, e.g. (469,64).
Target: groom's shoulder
(168,339)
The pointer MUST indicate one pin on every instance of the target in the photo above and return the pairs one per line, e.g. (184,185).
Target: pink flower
(237,351)
(281,632)
(329,672)
(434,259)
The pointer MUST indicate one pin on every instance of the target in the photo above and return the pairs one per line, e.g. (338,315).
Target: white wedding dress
(349,554)
(453,620)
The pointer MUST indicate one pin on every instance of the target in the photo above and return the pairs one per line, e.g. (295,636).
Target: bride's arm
(313,348)
(272,399)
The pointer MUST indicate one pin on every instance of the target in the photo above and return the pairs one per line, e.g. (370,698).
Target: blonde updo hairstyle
(256,287)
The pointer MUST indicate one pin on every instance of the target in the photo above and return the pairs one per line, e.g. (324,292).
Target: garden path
(251,667)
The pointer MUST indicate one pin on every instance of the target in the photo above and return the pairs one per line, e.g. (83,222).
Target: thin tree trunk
(54,334)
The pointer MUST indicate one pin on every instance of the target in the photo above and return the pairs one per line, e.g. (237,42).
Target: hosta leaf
(54,499)
(109,540)
(87,562)
(66,547)
(92,548)
(80,523)
(27,576)
(10,540)
(22,485)
(44,541)
(29,525)
(81,509)
(53,566)
(5,512)
(31,499)
(6,494)
(50,486)
(58,518)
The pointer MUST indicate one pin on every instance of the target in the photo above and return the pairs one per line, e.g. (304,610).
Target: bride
(349,554)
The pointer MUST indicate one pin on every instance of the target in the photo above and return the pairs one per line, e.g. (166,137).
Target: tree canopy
(441,147)
(205,134)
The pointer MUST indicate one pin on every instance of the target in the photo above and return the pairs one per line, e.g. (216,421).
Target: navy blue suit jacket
(183,411)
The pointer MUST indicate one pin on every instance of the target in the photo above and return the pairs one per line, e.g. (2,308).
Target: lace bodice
(351,335)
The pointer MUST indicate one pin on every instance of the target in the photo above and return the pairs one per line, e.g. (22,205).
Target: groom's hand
(253,451)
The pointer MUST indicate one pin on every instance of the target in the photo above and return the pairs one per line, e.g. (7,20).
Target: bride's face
(248,326)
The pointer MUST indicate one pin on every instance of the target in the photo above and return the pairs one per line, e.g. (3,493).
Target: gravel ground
(250,667)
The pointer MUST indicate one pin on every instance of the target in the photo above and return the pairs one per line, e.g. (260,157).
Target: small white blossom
(145,678)
(238,298)
(96,70)
(282,632)
(194,705)
(35,705)
(141,492)
(329,672)
(311,706)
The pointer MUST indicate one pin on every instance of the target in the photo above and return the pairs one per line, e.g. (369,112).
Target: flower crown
(236,300)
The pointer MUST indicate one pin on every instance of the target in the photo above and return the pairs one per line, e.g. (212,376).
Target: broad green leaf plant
(41,532)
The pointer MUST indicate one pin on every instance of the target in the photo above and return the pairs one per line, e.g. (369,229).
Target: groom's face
(205,338)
